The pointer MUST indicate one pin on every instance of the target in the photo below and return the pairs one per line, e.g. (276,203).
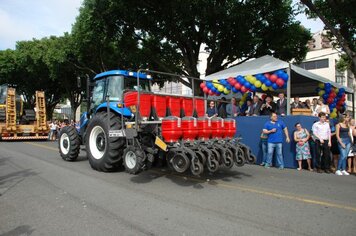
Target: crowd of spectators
(330,146)
(264,105)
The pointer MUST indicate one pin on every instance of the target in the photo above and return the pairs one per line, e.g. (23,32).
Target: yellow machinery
(14,125)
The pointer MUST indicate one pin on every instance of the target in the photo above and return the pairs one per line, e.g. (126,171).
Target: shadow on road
(16,175)
(20,230)
(187,179)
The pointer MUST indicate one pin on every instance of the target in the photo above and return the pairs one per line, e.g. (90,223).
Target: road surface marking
(239,187)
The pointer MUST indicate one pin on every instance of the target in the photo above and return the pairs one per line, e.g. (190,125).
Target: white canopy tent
(301,82)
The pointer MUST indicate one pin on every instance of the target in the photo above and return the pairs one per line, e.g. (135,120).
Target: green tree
(339,18)
(169,35)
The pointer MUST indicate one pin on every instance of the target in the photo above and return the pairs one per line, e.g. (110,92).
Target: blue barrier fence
(249,128)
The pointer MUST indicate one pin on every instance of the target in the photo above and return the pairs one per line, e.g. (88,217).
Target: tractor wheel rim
(180,163)
(64,143)
(130,159)
(97,142)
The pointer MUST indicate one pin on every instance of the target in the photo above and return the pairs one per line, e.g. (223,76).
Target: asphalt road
(40,194)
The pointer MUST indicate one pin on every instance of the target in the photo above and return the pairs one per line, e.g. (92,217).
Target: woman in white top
(314,106)
(321,107)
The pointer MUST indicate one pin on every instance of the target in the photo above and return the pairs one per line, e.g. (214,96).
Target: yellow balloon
(226,91)
(321,92)
(333,115)
(241,103)
(334,111)
(216,83)
(253,79)
(258,84)
(220,88)
(271,88)
(321,85)
(264,87)
(336,90)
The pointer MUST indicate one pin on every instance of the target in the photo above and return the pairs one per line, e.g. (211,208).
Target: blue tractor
(101,126)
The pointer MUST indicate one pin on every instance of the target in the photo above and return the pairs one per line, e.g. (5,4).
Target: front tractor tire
(133,160)
(69,143)
(104,153)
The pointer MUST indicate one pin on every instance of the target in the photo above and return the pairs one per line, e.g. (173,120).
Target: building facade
(322,60)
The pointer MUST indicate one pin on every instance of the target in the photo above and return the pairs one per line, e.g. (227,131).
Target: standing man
(321,131)
(232,109)
(281,105)
(274,129)
(268,107)
(256,106)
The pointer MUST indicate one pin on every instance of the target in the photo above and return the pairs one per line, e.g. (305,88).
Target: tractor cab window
(115,87)
(131,83)
(98,93)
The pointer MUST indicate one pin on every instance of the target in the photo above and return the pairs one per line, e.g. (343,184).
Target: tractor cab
(113,84)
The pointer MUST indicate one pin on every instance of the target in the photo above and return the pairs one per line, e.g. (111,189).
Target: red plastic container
(173,104)
(200,106)
(189,128)
(217,126)
(171,129)
(130,100)
(160,105)
(230,128)
(187,106)
(204,128)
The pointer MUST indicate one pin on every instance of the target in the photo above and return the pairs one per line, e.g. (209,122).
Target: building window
(317,64)
(339,77)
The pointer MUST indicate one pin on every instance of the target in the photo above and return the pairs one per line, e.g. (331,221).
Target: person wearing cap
(268,107)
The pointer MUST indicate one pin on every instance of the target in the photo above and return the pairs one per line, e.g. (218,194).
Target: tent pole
(353,104)
(288,89)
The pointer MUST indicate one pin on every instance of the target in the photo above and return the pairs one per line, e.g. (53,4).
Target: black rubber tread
(30,114)
(196,168)
(2,115)
(74,143)
(112,158)
(228,159)
(214,166)
(240,157)
(252,159)
(140,156)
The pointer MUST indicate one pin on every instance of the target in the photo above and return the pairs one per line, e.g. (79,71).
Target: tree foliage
(339,18)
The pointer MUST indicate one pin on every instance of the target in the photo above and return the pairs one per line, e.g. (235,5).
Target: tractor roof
(122,72)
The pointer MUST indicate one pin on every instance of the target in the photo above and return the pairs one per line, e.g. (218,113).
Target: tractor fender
(122,111)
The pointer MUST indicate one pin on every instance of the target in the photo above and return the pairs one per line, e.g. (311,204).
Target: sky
(28,19)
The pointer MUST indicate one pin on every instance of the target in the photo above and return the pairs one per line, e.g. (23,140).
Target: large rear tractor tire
(133,160)
(104,153)
(69,143)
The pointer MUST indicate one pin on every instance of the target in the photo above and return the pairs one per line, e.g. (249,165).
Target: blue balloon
(342,90)
(214,89)
(275,86)
(218,93)
(327,85)
(332,106)
(228,86)
(209,86)
(247,84)
(327,90)
(234,90)
(268,83)
(240,79)
(283,76)
(325,96)
(249,94)
(253,88)
(279,73)
(222,81)
(284,85)
(263,79)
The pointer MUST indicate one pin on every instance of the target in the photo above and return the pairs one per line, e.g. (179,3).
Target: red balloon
(330,100)
(264,96)
(237,86)
(343,99)
(280,82)
(332,95)
(211,93)
(233,82)
(243,89)
(202,85)
(273,78)
(205,90)
(267,75)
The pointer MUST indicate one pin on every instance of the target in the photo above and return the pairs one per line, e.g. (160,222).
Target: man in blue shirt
(274,129)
